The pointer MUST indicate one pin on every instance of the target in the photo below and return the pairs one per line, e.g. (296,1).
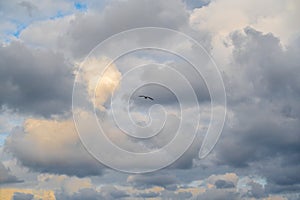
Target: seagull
(146,97)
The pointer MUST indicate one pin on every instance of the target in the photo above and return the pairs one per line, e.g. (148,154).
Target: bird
(146,97)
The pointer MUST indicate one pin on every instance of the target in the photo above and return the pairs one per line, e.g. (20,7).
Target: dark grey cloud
(88,194)
(258,138)
(264,70)
(282,175)
(118,194)
(262,131)
(6,176)
(272,188)
(22,196)
(111,192)
(34,81)
(257,190)
(144,181)
(176,196)
(105,193)
(220,184)
(216,194)
(148,195)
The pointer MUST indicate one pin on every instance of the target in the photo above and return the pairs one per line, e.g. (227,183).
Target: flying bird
(146,97)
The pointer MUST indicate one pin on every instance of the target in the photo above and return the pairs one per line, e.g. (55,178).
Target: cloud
(215,194)
(261,57)
(101,87)
(28,6)
(223,184)
(93,28)
(78,34)
(8,193)
(34,81)
(88,194)
(8,120)
(175,195)
(224,180)
(262,101)
(105,192)
(223,17)
(256,46)
(188,72)
(49,34)
(111,192)
(22,196)
(148,195)
(6,176)
(281,175)
(52,146)
(66,184)
(16,15)
(152,180)
(257,190)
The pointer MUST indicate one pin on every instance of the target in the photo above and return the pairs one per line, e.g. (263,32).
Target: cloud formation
(22,196)
(33,81)
(51,146)
(262,97)
(6,176)
(256,47)
(100,88)
(152,180)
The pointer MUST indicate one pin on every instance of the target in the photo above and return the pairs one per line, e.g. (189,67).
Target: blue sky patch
(80,6)
(3,137)
(20,28)
(60,14)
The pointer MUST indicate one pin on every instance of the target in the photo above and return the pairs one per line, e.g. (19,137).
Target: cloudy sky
(72,124)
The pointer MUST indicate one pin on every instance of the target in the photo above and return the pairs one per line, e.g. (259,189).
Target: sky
(224,76)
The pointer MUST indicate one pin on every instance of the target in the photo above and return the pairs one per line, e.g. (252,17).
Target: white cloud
(223,17)
(100,86)
(220,18)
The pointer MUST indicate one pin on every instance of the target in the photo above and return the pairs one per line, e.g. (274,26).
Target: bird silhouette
(146,97)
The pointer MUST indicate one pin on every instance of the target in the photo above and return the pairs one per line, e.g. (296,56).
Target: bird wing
(146,97)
